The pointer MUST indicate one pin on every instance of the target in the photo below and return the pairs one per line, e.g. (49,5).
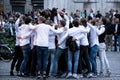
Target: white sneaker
(89,75)
(69,75)
(75,76)
(81,75)
(108,73)
(101,74)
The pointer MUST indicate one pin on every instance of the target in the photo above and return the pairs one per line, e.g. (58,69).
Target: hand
(65,29)
(73,39)
(18,37)
(58,45)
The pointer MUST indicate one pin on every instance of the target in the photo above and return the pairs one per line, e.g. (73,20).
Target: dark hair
(63,22)
(89,18)
(42,19)
(93,22)
(84,22)
(27,20)
(75,22)
(53,13)
(104,20)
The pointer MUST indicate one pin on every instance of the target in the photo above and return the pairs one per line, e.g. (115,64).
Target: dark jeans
(58,54)
(115,42)
(33,61)
(26,53)
(42,58)
(18,57)
(93,54)
(84,59)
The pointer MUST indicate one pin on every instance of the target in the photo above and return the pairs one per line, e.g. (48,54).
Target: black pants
(33,61)
(18,57)
(62,63)
(84,59)
(115,42)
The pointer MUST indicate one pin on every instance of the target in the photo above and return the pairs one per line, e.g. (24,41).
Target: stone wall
(71,5)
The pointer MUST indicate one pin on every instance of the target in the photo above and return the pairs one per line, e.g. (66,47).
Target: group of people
(44,37)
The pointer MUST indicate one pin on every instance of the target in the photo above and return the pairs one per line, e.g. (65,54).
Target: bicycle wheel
(5,53)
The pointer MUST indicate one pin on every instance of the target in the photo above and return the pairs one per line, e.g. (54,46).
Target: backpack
(72,45)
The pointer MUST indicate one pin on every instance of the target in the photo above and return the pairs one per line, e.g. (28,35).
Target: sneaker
(21,74)
(81,75)
(63,75)
(101,74)
(94,75)
(18,73)
(39,77)
(108,73)
(44,75)
(69,75)
(89,75)
(11,73)
(75,76)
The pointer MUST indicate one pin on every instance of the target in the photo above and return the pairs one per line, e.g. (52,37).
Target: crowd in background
(54,42)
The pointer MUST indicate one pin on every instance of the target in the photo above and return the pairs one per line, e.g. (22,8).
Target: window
(37,1)
(83,1)
(38,4)
(113,0)
(17,1)
(18,9)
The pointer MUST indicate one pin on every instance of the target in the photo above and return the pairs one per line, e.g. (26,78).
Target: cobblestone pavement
(113,57)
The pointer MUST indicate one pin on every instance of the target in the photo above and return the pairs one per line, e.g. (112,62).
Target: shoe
(32,75)
(18,73)
(94,75)
(26,74)
(89,75)
(108,73)
(39,77)
(101,74)
(81,75)
(63,75)
(21,74)
(69,75)
(75,76)
(11,73)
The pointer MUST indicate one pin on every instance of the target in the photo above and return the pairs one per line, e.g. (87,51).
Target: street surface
(113,57)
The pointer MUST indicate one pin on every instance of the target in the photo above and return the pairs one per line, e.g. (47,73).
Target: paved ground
(114,59)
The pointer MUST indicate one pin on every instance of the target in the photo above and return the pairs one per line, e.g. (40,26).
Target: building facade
(24,6)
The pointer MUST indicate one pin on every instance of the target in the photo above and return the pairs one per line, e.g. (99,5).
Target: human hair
(27,20)
(42,19)
(63,22)
(76,22)
(84,22)
(93,22)
(104,20)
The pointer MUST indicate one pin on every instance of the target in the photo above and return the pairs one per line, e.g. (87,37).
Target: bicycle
(6,53)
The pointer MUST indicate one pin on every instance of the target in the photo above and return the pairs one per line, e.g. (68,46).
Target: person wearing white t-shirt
(84,47)
(94,44)
(42,43)
(25,32)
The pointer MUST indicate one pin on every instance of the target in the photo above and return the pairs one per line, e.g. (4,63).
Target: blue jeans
(42,58)
(26,53)
(70,59)
(52,58)
(93,54)
(119,42)
(59,51)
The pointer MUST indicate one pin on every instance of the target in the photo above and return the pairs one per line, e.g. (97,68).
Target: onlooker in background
(2,24)
(116,33)
(91,13)
(109,34)
(98,15)
(11,27)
